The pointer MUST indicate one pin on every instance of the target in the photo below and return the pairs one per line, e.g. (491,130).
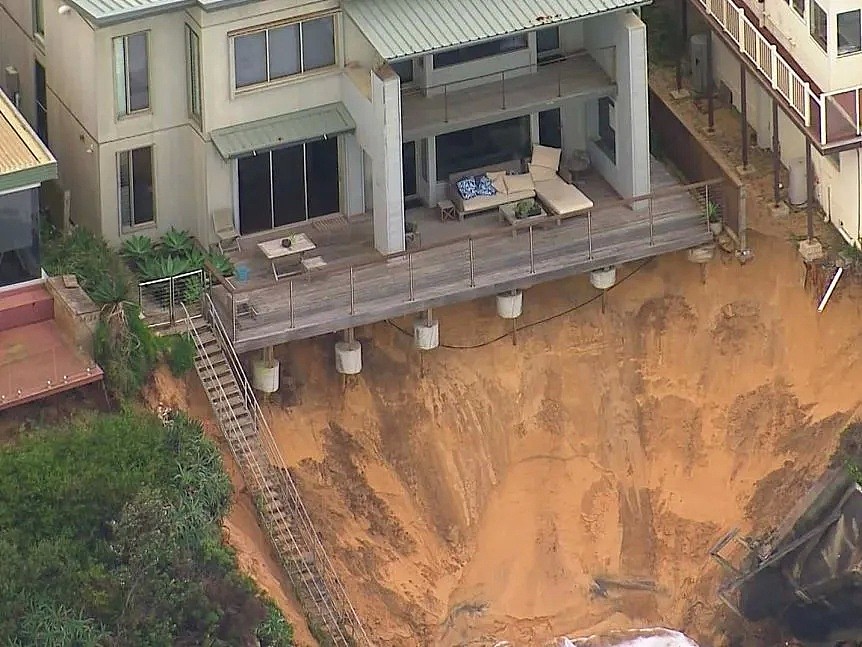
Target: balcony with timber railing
(455,261)
(831,120)
(513,92)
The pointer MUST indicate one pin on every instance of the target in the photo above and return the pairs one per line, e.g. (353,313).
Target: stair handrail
(327,568)
(257,472)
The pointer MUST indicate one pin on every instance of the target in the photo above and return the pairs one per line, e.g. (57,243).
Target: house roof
(24,159)
(401,29)
(285,130)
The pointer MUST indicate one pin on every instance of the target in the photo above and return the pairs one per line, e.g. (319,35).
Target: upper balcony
(831,120)
(512,92)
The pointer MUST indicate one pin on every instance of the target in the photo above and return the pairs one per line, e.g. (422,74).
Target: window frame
(38,9)
(41,109)
(838,33)
(125,110)
(814,8)
(135,226)
(194,93)
(546,55)
(302,73)
(435,59)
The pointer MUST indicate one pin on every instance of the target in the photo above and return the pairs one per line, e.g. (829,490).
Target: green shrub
(221,263)
(274,631)
(176,243)
(181,354)
(137,250)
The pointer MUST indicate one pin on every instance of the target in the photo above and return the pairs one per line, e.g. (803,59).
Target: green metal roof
(401,29)
(284,130)
(24,159)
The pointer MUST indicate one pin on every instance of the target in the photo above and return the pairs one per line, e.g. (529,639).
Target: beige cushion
(546,156)
(562,199)
(522,182)
(539,173)
(498,180)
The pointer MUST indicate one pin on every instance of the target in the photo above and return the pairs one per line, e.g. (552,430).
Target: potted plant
(714,217)
(527,208)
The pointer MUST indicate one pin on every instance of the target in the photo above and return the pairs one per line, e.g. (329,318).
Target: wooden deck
(578,76)
(359,286)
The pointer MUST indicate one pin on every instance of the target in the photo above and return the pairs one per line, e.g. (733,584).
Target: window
(41,104)
(548,43)
(482,50)
(798,7)
(288,185)
(408,164)
(550,132)
(607,128)
(483,145)
(818,26)
(131,71)
(193,73)
(19,222)
(849,32)
(403,69)
(279,52)
(38,18)
(135,182)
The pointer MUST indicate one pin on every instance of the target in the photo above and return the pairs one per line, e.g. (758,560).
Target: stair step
(206,336)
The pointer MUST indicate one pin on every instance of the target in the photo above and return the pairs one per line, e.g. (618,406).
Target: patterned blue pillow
(467,187)
(484,186)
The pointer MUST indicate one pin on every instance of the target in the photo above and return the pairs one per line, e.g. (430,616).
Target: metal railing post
(532,253)
(290,300)
(651,225)
(171,298)
(590,234)
(559,80)
(503,87)
(233,315)
(410,275)
(706,204)
(470,252)
(446,104)
(352,293)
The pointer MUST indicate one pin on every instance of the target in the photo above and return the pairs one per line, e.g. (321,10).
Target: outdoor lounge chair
(228,236)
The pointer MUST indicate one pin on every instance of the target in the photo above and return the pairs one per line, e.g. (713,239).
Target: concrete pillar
(809,178)
(743,107)
(354,176)
(387,167)
(776,156)
(710,86)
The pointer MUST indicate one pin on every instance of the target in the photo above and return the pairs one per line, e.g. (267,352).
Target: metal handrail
(262,482)
(327,569)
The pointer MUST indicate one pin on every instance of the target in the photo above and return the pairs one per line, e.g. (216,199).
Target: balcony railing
(831,117)
(663,221)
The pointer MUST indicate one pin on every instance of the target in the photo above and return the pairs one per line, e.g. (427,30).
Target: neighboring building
(805,54)
(144,146)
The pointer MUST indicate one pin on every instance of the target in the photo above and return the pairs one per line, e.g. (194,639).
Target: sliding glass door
(288,185)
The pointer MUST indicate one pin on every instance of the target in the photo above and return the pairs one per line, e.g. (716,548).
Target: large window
(408,163)
(19,244)
(38,9)
(798,7)
(403,69)
(135,180)
(607,128)
(288,185)
(131,72)
(548,43)
(818,25)
(41,104)
(849,32)
(193,73)
(550,131)
(280,52)
(482,146)
(482,50)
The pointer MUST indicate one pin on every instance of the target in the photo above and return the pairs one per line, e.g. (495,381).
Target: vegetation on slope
(110,535)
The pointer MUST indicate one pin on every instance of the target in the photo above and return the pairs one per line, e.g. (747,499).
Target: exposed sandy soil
(477,503)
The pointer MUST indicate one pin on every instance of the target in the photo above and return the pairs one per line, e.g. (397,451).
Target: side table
(447,210)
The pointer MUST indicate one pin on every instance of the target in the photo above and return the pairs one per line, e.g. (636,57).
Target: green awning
(400,29)
(285,130)
(24,160)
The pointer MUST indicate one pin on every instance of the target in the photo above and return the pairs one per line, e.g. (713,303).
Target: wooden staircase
(285,518)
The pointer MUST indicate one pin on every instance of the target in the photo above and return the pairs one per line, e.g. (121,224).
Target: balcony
(831,120)
(455,262)
(511,93)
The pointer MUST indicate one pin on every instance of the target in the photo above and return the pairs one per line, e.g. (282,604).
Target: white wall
(627,34)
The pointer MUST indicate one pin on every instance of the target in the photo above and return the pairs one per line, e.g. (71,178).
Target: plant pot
(715,228)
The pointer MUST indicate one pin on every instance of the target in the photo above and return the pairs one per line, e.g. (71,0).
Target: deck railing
(471,261)
(51,376)
(815,110)
(604,57)
(161,300)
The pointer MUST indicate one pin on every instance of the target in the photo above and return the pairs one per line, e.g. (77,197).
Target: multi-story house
(282,112)
(800,59)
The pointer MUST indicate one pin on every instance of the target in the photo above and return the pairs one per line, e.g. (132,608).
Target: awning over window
(285,130)
(401,29)
(24,159)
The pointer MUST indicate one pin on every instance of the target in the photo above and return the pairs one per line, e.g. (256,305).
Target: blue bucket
(241,272)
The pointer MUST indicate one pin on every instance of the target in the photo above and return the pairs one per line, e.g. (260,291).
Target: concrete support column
(354,176)
(710,86)
(387,169)
(743,107)
(683,30)
(776,156)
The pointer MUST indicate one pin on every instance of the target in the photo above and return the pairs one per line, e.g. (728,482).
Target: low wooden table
(274,250)
(507,213)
